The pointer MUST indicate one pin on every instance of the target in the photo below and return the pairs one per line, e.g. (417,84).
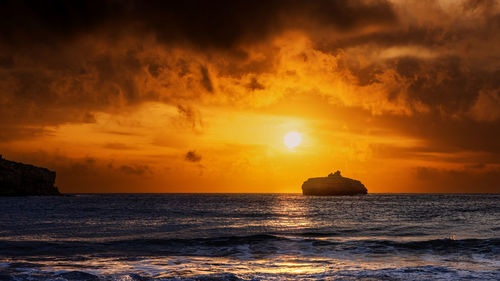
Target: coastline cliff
(334,184)
(18,179)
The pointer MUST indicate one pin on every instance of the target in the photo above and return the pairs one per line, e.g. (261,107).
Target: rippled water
(250,237)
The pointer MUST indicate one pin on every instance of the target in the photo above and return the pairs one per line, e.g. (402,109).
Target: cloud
(117,146)
(466,180)
(424,69)
(12,132)
(190,116)
(137,170)
(219,24)
(486,106)
(174,52)
(255,85)
(205,81)
(192,156)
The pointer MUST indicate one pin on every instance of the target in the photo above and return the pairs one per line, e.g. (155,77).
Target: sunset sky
(197,96)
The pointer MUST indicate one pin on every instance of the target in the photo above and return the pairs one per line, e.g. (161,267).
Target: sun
(292,139)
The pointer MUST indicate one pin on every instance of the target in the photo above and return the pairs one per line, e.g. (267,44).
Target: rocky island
(334,184)
(18,179)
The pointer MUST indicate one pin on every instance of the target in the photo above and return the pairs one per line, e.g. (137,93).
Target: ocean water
(250,237)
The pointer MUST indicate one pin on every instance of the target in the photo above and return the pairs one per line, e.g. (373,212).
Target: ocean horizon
(297,193)
(213,236)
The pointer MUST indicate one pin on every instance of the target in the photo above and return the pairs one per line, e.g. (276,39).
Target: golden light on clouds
(403,95)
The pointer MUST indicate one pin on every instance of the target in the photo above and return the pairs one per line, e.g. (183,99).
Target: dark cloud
(476,166)
(255,85)
(206,82)
(420,35)
(442,61)
(13,132)
(47,65)
(449,133)
(61,61)
(117,146)
(445,83)
(192,156)
(190,116)
(467,180)
(220,23)
(444,87)
(136,170)
(484,5)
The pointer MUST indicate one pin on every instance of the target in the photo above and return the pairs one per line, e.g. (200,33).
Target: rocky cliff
(334,184)
(18,179)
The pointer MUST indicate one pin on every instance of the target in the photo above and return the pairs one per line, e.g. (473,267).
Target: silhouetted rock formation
(334,184)
(18,179)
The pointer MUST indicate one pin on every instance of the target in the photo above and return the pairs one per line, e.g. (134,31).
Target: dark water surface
(250,237)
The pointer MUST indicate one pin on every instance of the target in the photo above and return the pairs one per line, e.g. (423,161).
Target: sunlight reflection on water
(279,267)
(252,237)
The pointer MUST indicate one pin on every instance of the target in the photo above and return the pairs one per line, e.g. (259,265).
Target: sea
(250,237)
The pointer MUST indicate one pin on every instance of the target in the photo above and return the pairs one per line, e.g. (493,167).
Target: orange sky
(197,97)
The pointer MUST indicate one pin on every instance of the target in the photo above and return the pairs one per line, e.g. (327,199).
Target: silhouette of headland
(18,179)
(334,184)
